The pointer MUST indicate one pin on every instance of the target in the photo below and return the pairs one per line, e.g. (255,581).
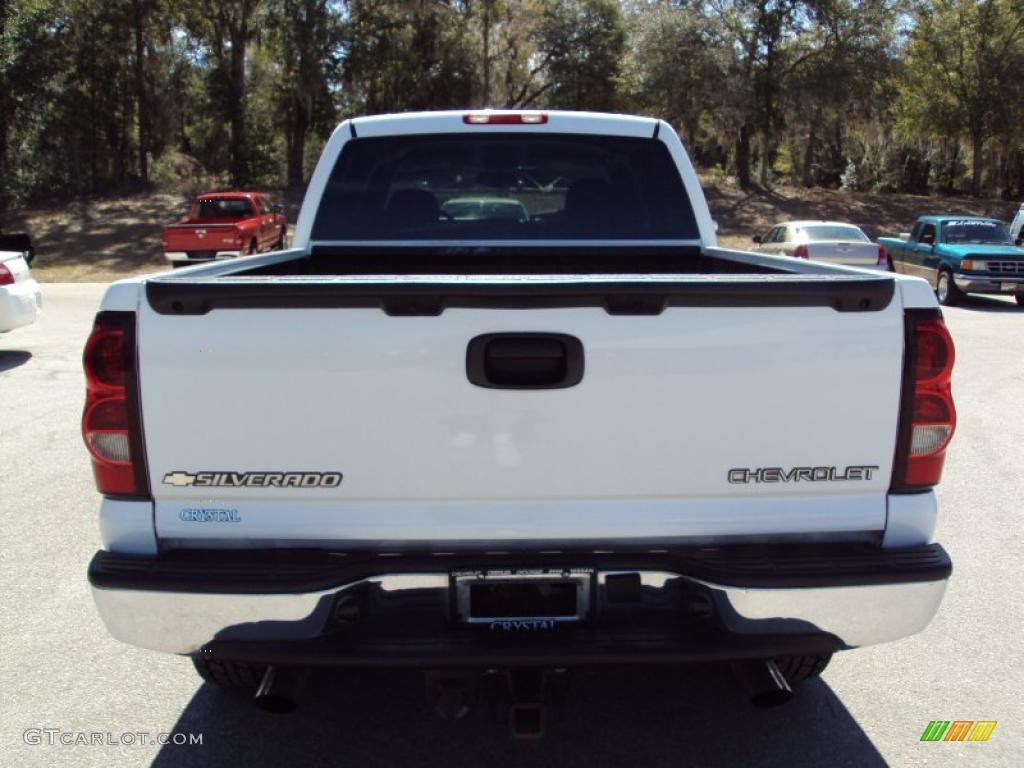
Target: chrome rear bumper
(993,284)
(668,604)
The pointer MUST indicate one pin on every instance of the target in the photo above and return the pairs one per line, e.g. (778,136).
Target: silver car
(834,242)
(476,208)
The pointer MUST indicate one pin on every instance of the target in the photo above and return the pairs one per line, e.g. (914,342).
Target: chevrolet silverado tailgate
(295,412)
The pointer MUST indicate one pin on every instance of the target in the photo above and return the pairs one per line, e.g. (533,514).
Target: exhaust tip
(277,688)
(764,683)
(527,721)
(277,705)
(768,699)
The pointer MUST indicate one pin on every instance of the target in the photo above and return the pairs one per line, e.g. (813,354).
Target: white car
(480,208)
(1017,227)
(833,242)
(20,298)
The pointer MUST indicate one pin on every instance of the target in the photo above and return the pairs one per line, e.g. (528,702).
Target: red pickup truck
(226,224)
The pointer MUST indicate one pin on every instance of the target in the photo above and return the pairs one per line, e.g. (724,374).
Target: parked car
(833,242)
(1017,227)
(19,242)
(959,255)
(503,445)
(477,208)
(20,297)
(226,224)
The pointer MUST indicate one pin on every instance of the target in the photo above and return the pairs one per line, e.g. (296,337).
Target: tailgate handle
(525,361)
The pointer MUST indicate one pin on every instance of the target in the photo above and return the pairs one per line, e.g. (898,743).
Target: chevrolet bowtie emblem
(179,479)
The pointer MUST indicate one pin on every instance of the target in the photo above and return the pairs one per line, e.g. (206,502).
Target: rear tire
(253,248)
(241,676)
(946,291)
(797,669)
(279,245)
(1020,299)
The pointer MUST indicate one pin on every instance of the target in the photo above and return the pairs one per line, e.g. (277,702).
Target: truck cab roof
(458,121)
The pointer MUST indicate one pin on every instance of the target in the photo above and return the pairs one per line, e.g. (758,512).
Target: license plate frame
(523,599)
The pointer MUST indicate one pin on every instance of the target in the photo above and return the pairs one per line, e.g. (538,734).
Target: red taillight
(6,278)
(111,425)
(927,415)
(505,118)
(883,257)
(105,359)
(800,252)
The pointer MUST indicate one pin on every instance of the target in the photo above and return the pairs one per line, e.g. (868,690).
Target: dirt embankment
(107,238)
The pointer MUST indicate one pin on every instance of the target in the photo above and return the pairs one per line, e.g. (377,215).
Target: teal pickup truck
(960,255)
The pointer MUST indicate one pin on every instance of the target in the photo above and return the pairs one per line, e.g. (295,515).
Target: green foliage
(306,38)
(904,95)
(671,68)
(407,56)
(963,60)
(583,42)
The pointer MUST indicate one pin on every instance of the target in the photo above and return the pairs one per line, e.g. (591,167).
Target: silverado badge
(181,479)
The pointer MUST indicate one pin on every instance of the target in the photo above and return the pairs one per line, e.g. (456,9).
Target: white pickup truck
(578,435)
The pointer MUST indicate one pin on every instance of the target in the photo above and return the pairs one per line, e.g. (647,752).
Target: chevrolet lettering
(801,474)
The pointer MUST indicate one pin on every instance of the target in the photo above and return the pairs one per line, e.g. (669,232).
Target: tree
(140,16)
(308,36)
(886,94)
(33,55)
(762,51)
(225,28)
(407,54)
(962,61)
(582,43)
(852,43)
(511,70)
(671,69)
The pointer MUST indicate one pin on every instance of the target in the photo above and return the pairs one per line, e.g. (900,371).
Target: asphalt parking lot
(60,670)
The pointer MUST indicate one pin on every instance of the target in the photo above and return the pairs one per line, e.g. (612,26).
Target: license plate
(523,599)
(1012,288)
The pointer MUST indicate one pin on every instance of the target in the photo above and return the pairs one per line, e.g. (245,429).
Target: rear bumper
(208,256)
(872,265)
(348,609)
(988,284)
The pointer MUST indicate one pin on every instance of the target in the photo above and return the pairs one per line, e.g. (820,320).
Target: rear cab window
(223,208)
(504,186)
(826,232)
